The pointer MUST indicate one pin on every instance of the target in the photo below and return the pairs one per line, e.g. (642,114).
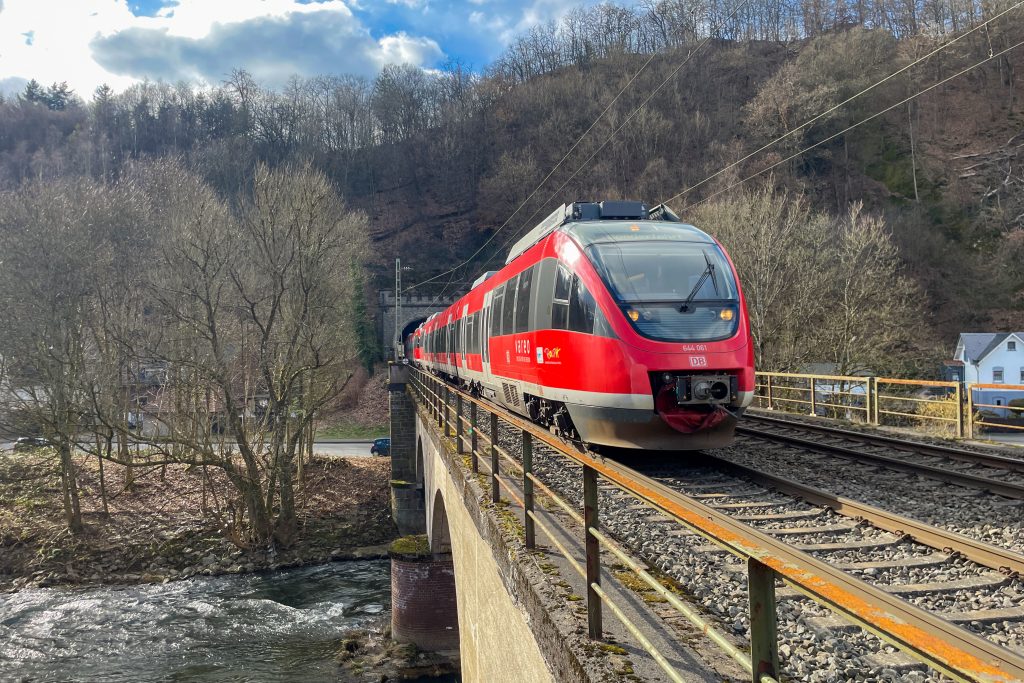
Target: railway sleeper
(985,616)
(780,516)
(746,493)
(839,528)
(985,581)
(931,560)
(864,544)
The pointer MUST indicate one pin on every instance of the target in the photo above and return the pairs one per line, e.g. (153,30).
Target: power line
(625,121)
(550,173)
(712,34)
(861,122)
(843,103)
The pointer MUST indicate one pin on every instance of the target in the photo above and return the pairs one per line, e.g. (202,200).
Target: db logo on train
(698,362)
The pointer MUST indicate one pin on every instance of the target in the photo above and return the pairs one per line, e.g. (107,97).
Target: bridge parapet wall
(507,628)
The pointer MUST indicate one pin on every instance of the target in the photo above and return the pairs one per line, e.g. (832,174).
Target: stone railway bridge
(511,613)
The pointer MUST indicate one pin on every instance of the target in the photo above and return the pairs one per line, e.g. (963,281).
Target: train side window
(478,328)
(523,301)
(485,330)
(496,306)
(560,300)
(471,339)
(582,308)
(509,313)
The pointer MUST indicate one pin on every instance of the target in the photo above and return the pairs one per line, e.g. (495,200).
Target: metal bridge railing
(982,415)
(931,407)
(930,639)
(836,396)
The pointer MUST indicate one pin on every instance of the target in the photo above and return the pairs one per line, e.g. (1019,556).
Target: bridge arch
(440,532)
(419,461)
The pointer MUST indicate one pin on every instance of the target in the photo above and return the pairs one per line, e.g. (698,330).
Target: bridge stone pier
(516,610)
(497,610)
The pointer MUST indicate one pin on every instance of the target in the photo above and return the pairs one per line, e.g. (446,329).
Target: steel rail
(984,554)
(920,634)
(988,459)
(950,477)
(628,624)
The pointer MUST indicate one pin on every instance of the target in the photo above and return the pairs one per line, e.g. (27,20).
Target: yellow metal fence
(933,408)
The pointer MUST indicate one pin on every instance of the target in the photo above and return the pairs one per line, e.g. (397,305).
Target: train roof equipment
(483,278)
(591,212)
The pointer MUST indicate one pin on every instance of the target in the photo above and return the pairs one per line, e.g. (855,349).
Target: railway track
(964,585)
(997,474)
(970,584)
(973,585)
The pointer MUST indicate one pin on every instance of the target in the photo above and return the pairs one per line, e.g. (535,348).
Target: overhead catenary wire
(992,56)
(711,35)
(828,111)
(545,179)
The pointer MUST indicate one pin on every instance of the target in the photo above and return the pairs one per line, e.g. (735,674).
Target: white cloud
(88,42)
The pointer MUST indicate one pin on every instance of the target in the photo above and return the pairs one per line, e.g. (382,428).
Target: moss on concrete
(410,547)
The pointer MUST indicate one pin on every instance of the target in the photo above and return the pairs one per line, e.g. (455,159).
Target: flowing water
(277,626)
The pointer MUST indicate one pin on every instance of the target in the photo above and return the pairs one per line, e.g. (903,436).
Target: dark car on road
(25,443)
(381,447)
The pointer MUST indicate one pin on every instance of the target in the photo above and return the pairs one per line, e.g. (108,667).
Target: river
(275,626)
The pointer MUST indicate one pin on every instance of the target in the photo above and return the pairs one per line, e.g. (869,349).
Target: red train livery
(612,323)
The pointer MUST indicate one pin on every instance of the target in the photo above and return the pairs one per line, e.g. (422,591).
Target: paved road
(336,448)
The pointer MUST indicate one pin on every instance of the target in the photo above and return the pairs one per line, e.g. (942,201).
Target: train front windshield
(671,291)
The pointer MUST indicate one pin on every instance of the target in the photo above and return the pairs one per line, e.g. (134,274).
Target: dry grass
(170,517)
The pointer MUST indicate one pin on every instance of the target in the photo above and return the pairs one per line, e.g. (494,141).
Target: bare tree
(250,322)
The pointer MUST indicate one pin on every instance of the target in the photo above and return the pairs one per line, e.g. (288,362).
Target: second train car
(612,323)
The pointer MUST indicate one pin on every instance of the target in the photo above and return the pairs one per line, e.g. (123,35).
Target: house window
(997,375)
(1011,346)
(1022,375)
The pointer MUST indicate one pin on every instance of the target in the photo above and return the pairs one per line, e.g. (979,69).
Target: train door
(463,334)
(485,346)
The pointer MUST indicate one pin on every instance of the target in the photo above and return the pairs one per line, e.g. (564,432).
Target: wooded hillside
(440,160)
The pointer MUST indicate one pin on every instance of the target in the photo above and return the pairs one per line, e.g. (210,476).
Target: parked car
(381,447)
(25,443)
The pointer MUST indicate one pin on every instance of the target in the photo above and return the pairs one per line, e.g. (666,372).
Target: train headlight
(667,378)
(633,314)
(727,314)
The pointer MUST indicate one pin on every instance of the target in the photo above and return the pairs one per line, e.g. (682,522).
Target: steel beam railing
(939,644)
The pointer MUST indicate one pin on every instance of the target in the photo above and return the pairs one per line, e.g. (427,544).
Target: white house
(991,358)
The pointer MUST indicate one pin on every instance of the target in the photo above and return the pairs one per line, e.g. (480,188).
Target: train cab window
(509,312)
(560,299)
(522,323)
(582,308)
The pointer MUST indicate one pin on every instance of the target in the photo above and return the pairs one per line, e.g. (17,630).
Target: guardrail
(928,638)
(977,411)
(931,407)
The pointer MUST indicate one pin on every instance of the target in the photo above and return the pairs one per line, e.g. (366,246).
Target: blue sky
(121,42)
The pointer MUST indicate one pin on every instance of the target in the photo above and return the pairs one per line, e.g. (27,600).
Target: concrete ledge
(559,645)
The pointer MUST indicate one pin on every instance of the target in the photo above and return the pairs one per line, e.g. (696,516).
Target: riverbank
(169,524)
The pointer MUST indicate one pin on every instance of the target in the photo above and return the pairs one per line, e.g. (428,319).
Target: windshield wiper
(708,272)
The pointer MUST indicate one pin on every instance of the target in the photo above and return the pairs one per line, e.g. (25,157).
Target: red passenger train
(612,323)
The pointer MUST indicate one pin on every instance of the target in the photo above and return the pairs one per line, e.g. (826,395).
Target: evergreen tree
(59,96)
(34,93)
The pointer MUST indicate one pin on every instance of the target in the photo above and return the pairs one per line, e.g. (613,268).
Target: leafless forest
(213,241)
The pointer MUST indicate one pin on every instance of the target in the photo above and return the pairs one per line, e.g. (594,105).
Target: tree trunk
(69,487)
(913,151)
